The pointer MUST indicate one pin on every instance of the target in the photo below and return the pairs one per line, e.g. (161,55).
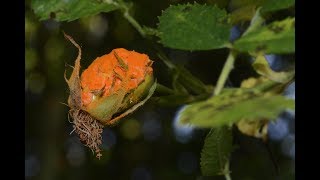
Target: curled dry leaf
(113,86)
(254,128)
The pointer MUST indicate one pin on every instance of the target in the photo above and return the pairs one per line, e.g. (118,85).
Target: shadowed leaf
(194,27)
(216,151)
(69,10)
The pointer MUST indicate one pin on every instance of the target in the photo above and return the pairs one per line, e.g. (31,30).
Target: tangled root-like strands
(88,129)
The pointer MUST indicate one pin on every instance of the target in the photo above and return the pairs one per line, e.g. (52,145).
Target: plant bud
(113,86)
(115,82)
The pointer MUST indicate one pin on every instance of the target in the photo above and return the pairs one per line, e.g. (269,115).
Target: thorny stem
(228,66)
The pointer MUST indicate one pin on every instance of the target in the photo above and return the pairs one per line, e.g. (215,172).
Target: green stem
(125,7)
(227,171)
(134,23)
(165,59)
(228,66)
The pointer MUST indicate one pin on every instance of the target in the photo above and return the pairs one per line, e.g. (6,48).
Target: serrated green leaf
(277,37)
(262,67)
(233,105)
(194,27)
(274,5)
(69,10)
(216,151)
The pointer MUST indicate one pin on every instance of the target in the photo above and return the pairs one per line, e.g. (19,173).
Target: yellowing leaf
(262,67)
(233,105)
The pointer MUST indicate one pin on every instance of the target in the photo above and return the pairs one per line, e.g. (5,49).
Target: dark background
(147,145)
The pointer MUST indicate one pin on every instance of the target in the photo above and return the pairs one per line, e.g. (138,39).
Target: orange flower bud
(112,82)
(113,86)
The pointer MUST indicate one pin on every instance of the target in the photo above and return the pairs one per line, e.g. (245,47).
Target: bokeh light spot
(51,25)
(151,129)
(278,129)
(183,133)
(30,26)
(109,139)
(288,146)
(130,129)
(54,50)
(75,152)
(141,173)
(98,26)
(274,61)
(31,58)
(31,166)
(290,91)
(36,82)
(235,33)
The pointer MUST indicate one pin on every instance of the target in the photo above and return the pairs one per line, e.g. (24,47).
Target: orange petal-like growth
(120,69)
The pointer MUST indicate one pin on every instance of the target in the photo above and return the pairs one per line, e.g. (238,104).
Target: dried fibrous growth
(113,86)
(88,129)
